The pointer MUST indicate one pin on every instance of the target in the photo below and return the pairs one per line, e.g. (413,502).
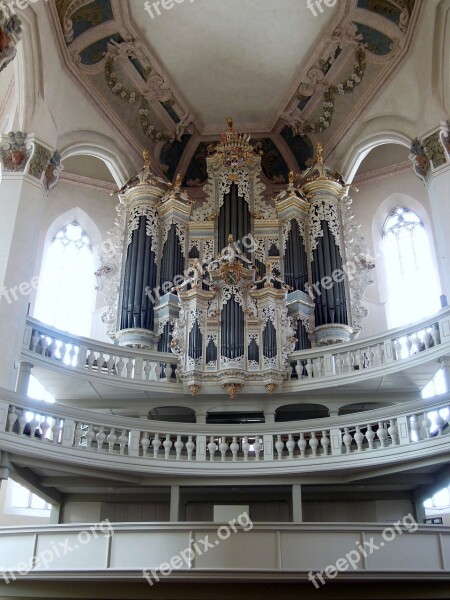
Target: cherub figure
(230,254)
(194,276)
(269,279)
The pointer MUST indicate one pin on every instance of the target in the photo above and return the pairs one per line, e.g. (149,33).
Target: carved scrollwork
(320,211)
(108,276)
(152,226)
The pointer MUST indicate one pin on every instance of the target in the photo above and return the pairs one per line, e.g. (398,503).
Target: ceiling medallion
(235,149)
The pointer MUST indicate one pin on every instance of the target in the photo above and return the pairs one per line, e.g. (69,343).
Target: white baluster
(179,446)
(90,435)
(309,368)
(112,439)
(279,445)
(212,448)
(435,334)
(257,448)
(393,432)
(302,443)
(290,445)
(347,439)
(223,448)
(91,360)
(52,349)
(56,430)
(339,363)
(348,362)
(22,422)
(34,341)
(234,447)
(415,427)
(120,365)
(382,434)
(167,446)
(45,426)
(397,349)
(145,443)
(190,447)
(44,345)
(370,436)
(156,443)
(440,422)
(12,418)
(147,370)
(378,355)
(129,368)
(78,435)
(72,355)
(325,442)
(158,370)
(359,438)
(123,440)
(426,424)
(110,364)
(313,443)
(101,436)
(359,359)
(245,448)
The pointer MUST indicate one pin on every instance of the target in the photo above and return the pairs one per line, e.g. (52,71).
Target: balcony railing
(241,549)
(62,433)
(390,352)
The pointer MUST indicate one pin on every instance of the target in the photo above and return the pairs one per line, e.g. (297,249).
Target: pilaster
(430,155)
(30,169)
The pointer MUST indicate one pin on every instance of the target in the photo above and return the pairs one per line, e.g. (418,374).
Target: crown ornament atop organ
(229,294)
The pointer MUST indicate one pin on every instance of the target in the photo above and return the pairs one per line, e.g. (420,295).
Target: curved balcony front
(402,435)
(368,363)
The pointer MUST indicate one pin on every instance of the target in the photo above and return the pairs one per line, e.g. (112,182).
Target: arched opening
(66,294)
(412,287)
(300,412)
(174,414)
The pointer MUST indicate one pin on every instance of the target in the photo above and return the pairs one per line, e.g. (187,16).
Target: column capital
(22,153)
(430,154)
(10,35)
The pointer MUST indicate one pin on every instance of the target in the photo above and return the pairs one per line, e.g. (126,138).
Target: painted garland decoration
(346,87)
(132,97)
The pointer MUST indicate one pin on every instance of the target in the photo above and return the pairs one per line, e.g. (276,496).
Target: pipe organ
(233,286)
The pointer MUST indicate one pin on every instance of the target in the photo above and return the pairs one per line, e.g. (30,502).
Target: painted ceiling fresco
(367,40)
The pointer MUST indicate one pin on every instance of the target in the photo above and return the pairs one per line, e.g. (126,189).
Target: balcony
(399,435)
(401,360)
(206,552)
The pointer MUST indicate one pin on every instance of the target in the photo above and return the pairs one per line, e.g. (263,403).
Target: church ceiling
(290,75)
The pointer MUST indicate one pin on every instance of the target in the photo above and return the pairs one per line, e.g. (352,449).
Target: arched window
(66,294)
(412,286)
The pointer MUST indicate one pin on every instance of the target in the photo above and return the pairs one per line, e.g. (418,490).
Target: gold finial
(319,153)
(230,123)
(147,161)
(230,238)
(291,177)
(178,181)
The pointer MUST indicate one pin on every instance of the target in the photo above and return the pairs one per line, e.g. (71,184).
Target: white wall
(95,211)
(372,204)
